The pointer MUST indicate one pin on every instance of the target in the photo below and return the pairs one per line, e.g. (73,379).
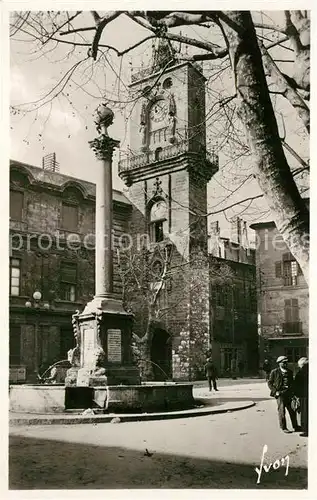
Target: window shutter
(295,310)
(288,256)
(278,269)
(288,310)
(69,217)
(299,270)
(69,273)
(16,205)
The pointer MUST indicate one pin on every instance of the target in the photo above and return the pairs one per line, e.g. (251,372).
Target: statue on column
(172,118)
(104,118)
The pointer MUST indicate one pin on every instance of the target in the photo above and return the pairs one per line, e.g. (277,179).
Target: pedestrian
(281,384)
(233,368)
(211,374)
(241,368)
(301,391)
(266,368)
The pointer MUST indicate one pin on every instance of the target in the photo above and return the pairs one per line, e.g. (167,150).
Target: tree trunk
(146,366)
(288,209)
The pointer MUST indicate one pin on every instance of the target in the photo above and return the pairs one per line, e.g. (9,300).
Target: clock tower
(167,170)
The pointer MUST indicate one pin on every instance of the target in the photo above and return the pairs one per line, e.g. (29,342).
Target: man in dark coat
(211,374)
(301,391)
(281,384)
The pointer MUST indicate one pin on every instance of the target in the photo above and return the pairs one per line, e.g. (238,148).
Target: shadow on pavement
(50,464)
(218,401)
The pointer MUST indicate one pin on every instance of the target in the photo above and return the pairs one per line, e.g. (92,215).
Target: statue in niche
(143,126)
(172,118)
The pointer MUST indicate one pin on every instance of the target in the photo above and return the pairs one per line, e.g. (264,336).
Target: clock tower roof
(164,55)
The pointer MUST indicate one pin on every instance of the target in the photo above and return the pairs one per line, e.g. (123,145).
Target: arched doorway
(161,354)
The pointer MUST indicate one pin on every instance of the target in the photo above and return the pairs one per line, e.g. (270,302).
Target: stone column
(104,208)
(103,330)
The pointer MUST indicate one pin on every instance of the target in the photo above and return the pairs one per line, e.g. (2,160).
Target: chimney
(49,163)
(236,230)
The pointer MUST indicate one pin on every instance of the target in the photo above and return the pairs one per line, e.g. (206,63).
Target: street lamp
(37,296)
(36,304)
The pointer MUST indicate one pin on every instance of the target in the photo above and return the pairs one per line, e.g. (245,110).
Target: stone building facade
(52,252)
(233,301)
(283,297)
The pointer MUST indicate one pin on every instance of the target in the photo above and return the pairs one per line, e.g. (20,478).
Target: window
(68,287)
(292,324)
(157,231)
(15,276)
(288,269)
(69,217)
(290,273)
(158,217)
(168,83)
(220,296)
(16,205)
(294,353)
(158,153)
(15,345)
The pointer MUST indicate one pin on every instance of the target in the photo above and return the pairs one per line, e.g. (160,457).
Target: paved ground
(215,451)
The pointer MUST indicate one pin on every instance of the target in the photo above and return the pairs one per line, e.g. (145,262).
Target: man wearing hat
(281,385)
(301,391)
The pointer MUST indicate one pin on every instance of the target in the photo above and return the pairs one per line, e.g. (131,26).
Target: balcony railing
(163,153)
(292,328)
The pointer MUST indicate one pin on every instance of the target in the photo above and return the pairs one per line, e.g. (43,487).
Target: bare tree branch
(285,88)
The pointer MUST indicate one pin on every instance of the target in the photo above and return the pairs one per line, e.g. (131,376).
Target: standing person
(233,366)
(241,368)
(211,374)
(301,391)
(266,368)
(281,384)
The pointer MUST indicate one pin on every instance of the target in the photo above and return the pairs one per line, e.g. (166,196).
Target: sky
(66,124)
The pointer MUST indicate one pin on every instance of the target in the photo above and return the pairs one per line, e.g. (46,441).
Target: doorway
(161,355)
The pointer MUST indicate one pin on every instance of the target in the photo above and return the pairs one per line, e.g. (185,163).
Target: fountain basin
(30,398)
(37,398)
(149,397)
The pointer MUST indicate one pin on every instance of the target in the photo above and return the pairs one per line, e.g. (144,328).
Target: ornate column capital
(103,147)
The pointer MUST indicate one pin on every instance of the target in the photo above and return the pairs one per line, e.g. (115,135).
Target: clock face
(159,111)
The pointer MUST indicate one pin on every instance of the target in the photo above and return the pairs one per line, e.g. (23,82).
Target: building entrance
(161,355)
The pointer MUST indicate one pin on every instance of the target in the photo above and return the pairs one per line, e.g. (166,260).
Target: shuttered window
(291,310)
(278,269)
(291,314)
(69,217)
(16,205)
(68,286)
(288,269)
